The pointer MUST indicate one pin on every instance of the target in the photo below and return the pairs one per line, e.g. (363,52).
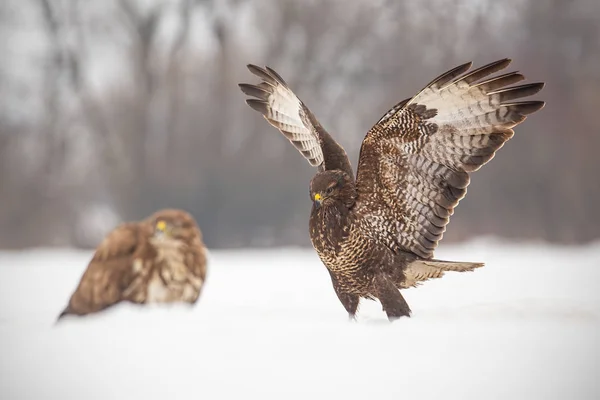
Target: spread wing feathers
(423,270)
(284,110)
(418,157)
(109,273)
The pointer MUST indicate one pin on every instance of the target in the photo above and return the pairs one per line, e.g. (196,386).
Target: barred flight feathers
(286,112)
(418,158)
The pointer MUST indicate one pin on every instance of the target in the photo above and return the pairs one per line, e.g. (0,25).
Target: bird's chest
(328,230)
(337,242)
(170,279)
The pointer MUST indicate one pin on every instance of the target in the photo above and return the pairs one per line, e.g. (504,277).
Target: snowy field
(269,326)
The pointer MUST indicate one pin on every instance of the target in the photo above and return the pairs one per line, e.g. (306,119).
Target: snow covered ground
(269,326)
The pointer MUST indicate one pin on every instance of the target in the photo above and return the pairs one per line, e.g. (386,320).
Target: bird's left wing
(415,162)
(285,111)
(111,270)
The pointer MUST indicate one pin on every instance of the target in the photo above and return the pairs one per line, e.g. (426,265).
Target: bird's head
(174,224)
(329,188)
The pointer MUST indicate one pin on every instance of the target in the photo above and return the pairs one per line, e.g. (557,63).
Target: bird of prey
(161,259)
(377,233)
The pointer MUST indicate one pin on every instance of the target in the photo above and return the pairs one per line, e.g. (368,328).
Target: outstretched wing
(110,272)
(286,112)
(415,162)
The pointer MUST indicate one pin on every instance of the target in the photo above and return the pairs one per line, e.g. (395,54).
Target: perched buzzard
(377,233)
(158,260)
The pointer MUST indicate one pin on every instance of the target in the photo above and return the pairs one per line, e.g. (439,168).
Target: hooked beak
(161,229)
(318,199)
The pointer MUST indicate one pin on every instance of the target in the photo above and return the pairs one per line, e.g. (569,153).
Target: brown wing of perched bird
(158,260)
(377,233)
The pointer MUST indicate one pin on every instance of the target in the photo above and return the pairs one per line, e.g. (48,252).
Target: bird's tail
(63,314)
(422,270)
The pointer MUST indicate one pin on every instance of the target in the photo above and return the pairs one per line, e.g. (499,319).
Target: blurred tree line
(110,110)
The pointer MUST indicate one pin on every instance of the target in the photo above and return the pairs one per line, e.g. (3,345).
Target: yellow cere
(161,225)
(317,197)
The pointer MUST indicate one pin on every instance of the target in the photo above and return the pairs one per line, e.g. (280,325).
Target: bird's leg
(391,299)
(348,300)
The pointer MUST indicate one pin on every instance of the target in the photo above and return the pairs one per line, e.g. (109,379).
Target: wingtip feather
(259,105)
(262,73)
(486,70)
(254,91)
(276,76)
(63,314)
(527,107)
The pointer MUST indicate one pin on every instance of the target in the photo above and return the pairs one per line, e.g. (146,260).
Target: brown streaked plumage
(161,259)
(377,233)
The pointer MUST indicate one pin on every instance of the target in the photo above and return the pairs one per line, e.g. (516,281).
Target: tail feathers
(456,266)
(423,270)
(63,314)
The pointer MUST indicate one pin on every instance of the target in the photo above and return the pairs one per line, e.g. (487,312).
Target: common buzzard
(377,233)
(158,260)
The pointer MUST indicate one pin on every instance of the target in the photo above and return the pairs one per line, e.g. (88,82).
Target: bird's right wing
(110,272)
(415,163)
(286,112)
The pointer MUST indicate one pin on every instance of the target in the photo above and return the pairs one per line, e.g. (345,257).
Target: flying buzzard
(158,260)
(377,233)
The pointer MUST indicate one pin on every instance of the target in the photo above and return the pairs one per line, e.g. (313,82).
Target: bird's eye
(329,190)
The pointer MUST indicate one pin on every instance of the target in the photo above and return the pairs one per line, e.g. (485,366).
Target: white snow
(269,326)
